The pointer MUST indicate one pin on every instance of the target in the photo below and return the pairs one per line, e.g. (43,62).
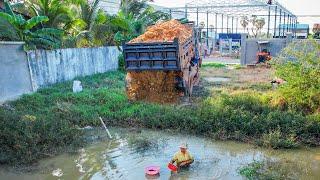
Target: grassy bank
(45,122)
(272,169)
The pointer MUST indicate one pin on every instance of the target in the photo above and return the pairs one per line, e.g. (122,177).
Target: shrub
(121,62)
(299,66)
(272,169)
(25,138)
(251,170)
(276,139)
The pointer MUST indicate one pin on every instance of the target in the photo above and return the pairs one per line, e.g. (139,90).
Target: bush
(276,139)
(272,169)
(299,66)
(25,138)
(251,171)
(121,62)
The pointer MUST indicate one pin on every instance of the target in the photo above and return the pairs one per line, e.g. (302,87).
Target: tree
(244,21)
(257,25)
(58,12)
(127,27)
(89,28)
(15,28)
(134,16)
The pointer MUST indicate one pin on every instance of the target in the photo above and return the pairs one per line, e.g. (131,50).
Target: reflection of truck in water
(160,67)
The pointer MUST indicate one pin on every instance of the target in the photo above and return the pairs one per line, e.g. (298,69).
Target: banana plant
(14,27)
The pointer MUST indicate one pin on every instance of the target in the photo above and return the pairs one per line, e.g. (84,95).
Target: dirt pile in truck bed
(157,86)
(165,31)
(152,86)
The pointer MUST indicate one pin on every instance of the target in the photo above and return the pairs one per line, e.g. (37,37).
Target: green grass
(47,121)
(213,65)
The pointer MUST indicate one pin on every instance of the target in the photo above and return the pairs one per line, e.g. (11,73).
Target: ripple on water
(124,157)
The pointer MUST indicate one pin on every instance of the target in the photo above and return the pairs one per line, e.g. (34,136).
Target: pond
(131,150)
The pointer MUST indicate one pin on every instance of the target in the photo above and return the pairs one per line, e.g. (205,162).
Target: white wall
(53,66)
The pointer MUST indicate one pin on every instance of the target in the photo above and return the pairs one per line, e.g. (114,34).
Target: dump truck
(161,67)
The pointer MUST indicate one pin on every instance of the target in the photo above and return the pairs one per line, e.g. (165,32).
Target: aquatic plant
(271,169)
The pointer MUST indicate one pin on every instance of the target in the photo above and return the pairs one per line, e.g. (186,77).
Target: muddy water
(130,151)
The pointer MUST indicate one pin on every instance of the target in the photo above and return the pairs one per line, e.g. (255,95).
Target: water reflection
(126,156)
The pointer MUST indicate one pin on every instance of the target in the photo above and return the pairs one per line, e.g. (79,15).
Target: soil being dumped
(152,86)
(157,86)
(165,31)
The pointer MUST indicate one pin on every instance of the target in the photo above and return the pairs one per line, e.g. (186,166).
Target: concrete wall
(249,48)
(15,77)
(22,72)
(49,67)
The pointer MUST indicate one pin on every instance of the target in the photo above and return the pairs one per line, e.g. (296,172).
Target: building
(301,31)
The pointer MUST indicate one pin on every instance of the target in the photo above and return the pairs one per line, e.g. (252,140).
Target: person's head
(183,147)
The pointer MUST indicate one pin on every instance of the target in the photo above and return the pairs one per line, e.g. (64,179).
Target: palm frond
(19,20)
(35,21)
(75,24)
(93,14)
(49,31)
(8,17)
(8,8)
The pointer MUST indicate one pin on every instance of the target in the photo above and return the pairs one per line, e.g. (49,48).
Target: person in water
(182,158)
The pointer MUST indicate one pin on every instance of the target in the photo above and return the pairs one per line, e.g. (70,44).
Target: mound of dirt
(164,32)
(152,86)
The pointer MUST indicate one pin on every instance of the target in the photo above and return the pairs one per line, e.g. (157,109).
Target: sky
(298,7)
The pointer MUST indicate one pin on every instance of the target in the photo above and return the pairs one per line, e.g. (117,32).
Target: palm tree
(244,21)
(127,27)
(139,9)
(134,16)
(257,25)
(202,24)
(91,28)
(133,6)
(58,12)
